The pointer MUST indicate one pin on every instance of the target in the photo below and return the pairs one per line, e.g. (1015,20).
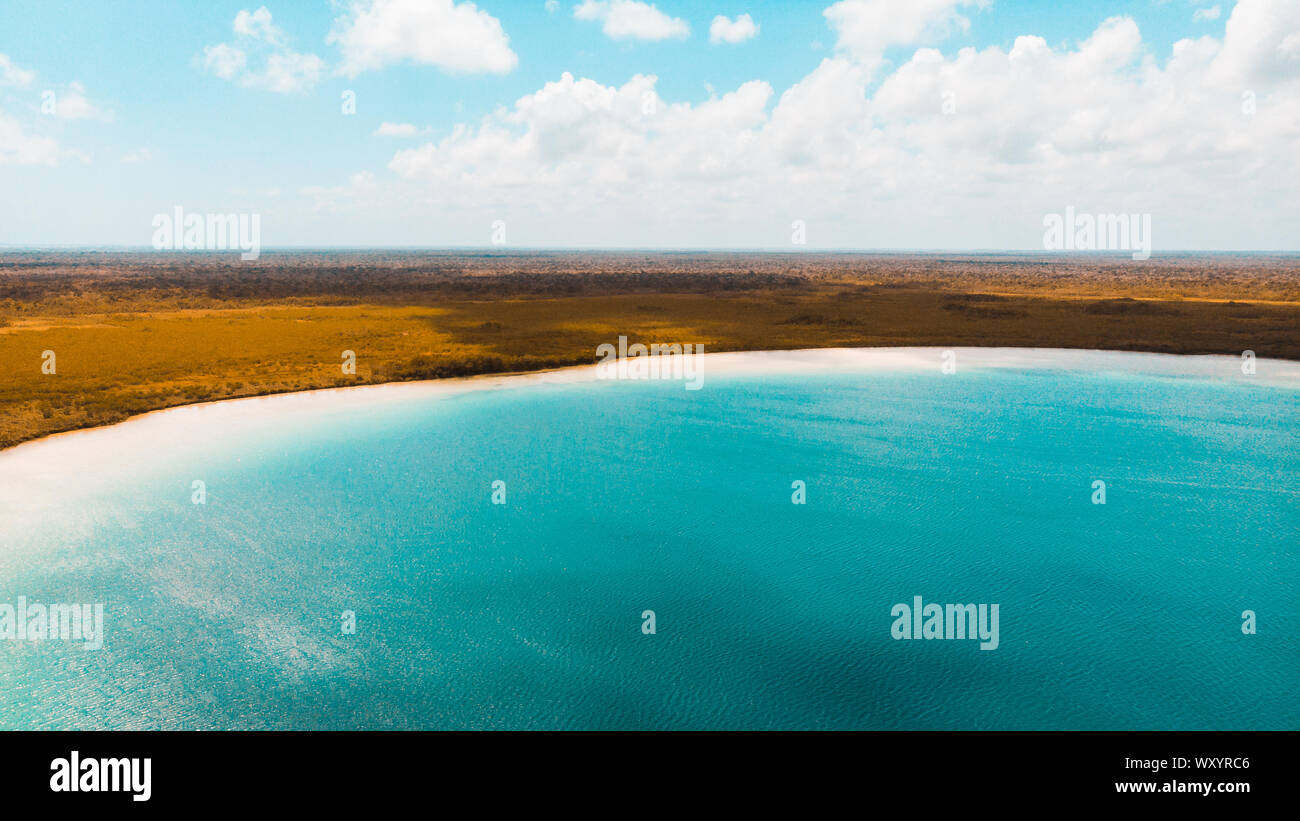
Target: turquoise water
(632,496)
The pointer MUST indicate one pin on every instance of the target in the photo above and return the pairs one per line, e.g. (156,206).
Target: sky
(857,124)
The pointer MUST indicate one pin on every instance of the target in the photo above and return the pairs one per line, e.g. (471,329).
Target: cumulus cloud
(580,132)
(1212,13)
(724,30)
(992,137)
(455,37)
(865,28)
(12,75)
(1261,43)
(285,71)
(17,147)
(258,25)
(632,20)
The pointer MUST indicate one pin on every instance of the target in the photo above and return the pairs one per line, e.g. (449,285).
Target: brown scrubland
(138,331)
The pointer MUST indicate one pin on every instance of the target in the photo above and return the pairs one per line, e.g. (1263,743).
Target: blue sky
(159,127)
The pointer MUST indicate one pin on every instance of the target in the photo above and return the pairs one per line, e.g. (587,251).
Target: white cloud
(72,104)
(723,30)
(1261,43)
(580,133)
(456,37)
(20,148)
(224,60)
(288,72)
(552,5)
(865,28)
(1102,125)
(12,75)
(258,25)
(632,20)
(17,145)
(285,70)
(398,130)
(136,156)
(1212,13)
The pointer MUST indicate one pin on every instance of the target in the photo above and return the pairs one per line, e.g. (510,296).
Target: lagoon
(627,496)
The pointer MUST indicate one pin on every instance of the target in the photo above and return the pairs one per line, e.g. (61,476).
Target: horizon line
(666,249)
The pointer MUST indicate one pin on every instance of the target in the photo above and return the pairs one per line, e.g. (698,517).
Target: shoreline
(139,333)
(1285,373)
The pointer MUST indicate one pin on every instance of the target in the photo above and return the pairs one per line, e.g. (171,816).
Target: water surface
(623,497)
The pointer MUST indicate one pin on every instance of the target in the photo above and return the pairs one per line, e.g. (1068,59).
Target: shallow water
(623,497)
